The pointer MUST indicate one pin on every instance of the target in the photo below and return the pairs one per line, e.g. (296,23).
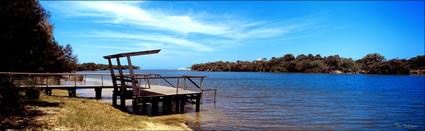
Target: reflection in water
(249,100)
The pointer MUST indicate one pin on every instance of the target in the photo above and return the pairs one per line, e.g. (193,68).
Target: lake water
(255,100)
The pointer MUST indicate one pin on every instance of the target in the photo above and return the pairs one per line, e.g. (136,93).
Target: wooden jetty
(148,94)
(137,87)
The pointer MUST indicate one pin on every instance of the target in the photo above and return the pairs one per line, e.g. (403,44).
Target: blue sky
(190,32)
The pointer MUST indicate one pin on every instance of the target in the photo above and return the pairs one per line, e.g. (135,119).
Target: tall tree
(26,40)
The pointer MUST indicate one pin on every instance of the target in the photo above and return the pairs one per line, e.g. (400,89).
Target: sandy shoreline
(186,124)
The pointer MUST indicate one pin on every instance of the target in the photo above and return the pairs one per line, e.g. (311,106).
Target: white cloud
(131,13)
(172,31)
(156,38)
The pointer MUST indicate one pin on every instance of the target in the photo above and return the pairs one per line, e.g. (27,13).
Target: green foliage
(371,63)
(26,40)
(393,66)
(93,66)
(417,62)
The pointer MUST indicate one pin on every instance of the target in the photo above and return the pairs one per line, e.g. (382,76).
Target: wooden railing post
(102,79)
(136,91)
(184,83)
(123,88)
(200,87)
(47,81)
(177,87)
(75,80)
(114,83)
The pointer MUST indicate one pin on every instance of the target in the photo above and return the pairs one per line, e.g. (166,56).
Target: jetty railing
(79,80)
(42,79)
(184,84)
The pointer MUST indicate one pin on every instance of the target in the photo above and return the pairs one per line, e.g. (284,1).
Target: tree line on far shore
(93,67)
(369,64)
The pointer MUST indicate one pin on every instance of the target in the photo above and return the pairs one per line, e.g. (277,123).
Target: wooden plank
(132,54)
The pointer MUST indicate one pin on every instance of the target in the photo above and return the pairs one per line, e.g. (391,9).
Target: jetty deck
(165,90)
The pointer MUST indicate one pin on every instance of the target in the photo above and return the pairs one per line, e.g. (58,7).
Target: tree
(301,57)
(334,62)
(318,57)
(288,57)
(370,59)
(317,64)
(393,66)
(26,40)
(417,62)
(348,65)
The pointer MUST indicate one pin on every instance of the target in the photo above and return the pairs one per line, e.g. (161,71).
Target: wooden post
(123,88)
(98,91)
(48,91)
(215,94)
(198,102)
(114,83)
(114,98)
(135,105)
(169,104)
(200,87)
(183,101)
(164,105)
(47,81)
(72,92)
(102,79)
(133,80)
(154,106)
(177,87)
(75,80)
(146,82)
(177,103)
(184,83)
(144,106)
(159,83)
(149,84)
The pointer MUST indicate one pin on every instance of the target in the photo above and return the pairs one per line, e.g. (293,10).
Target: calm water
(251,100)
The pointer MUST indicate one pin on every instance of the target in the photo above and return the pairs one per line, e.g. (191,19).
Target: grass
(83,113)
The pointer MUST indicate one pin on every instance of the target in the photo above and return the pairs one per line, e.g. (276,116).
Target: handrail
(146,76)
(51,74)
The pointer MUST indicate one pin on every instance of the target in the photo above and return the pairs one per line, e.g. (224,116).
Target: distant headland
(369,64)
